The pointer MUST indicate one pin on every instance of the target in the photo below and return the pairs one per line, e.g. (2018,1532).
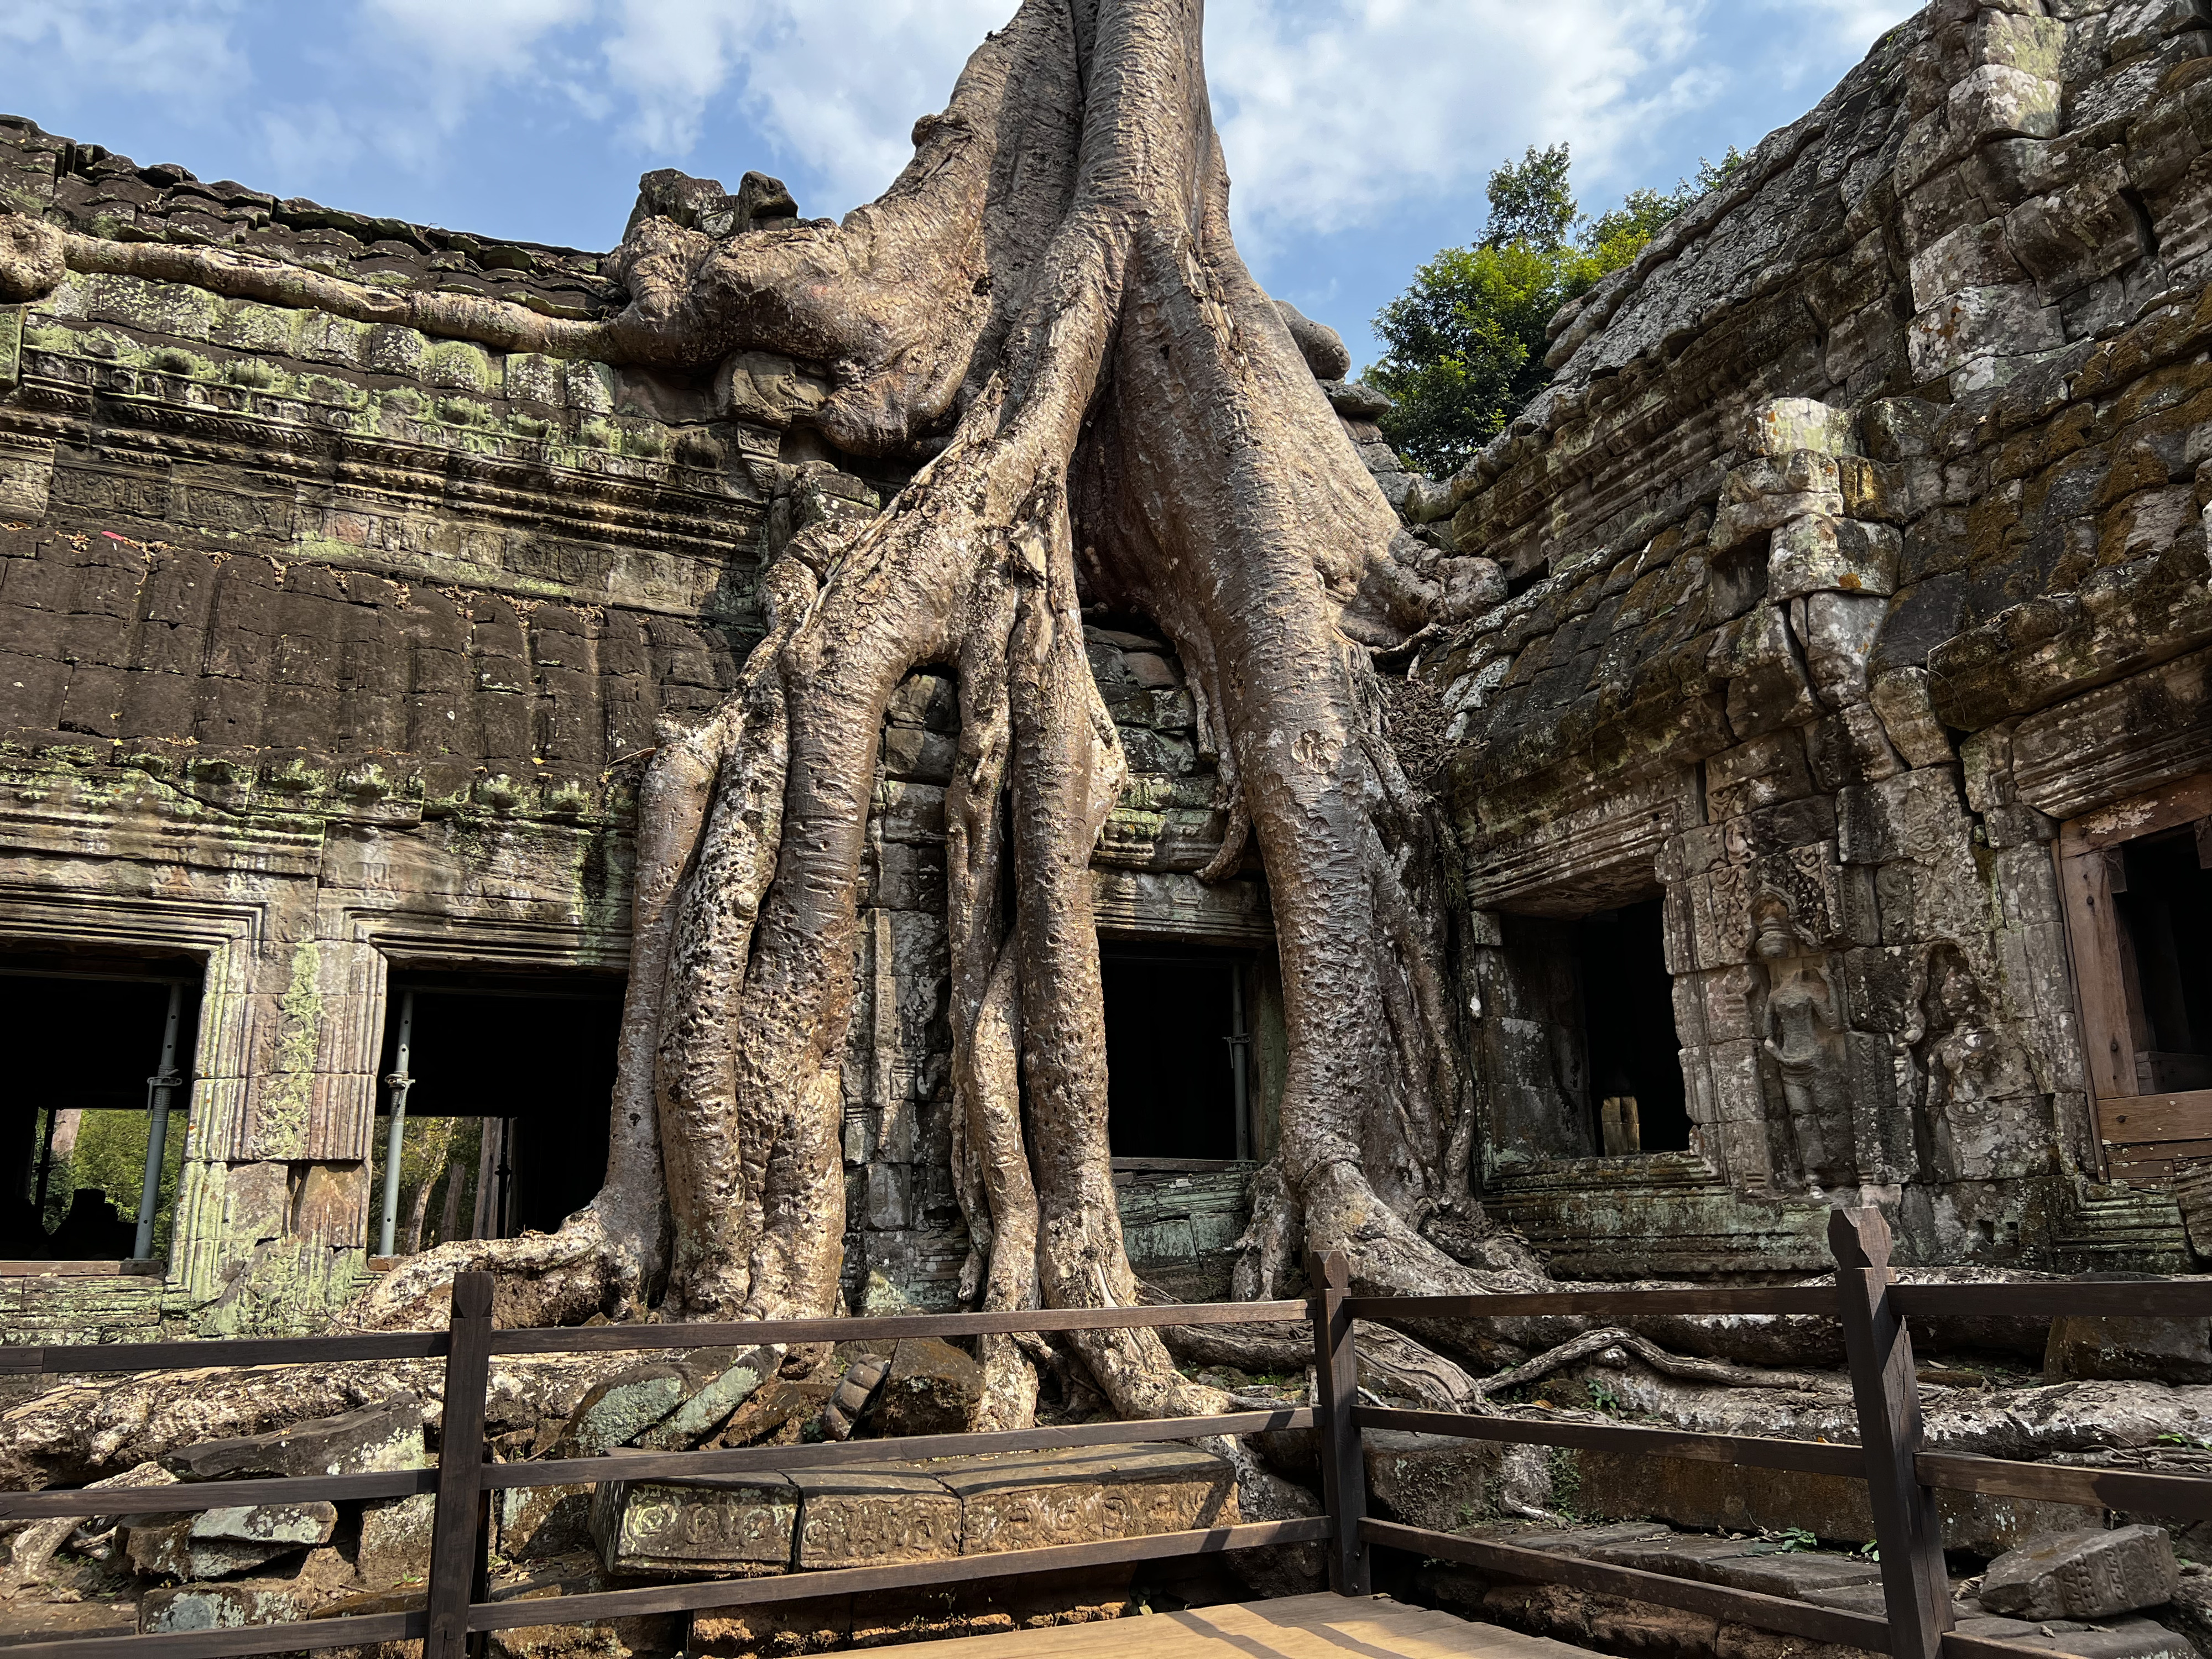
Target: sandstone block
(2083,1574)
(221,1543)
(1782,424)
(615,1413)
(2168,1351)
(219,1607)
(541,1521)
(1032,1500)
(654,1527)
(1429,1480)
(1819,553)
(865,1515)
(372,1439)
(1996,99)
(933,1388)
(395,1539)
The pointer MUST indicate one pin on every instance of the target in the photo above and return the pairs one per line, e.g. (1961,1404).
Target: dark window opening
(1635,1095)
(2163,898)
(506,1084)
(1178,1060)
(100,1046)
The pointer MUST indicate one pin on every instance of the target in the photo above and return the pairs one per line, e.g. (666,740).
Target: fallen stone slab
(863,1516)
(231,1605)
(2088,1574)
(377,1437)
(2114,1638)
(1869,1599)
(1579,1541)
(1433,1481)
(395,1539)
(2170,1350)
(1034,1500)
(616,1412)
(536,1522)
(695,1525)
(931,1388)
(225,1542)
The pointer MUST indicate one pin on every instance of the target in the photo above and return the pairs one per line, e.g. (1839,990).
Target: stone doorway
(507,1079)
(1635,1065)
(100,1045)
(1178,1052)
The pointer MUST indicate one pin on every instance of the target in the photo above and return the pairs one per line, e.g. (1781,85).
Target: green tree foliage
(1466,342)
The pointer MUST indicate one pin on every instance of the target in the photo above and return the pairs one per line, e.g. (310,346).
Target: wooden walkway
(1322,1627)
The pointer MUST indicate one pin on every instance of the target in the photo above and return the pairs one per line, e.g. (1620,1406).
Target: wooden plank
(749,1459)
(457,1543)
(1743,1450)
(599,1338)
(86,1359)
(1957,1645)
(1326,1626)
(520,1614)
(2185,1497)
(188,1495)
(2108,1046)
(2142,1299)
(358,1631)
(2134,1119)
(1748,1299)
(1915,1588)
(1738,1606)
(1343,1469)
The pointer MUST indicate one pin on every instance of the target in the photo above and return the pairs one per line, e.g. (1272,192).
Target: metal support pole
(158,1089)
(399,1082)
(1240,1059)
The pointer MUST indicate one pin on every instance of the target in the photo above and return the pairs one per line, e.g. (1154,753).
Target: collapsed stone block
(221,1543)
(2170,1350)
(395,1539)
(695,1525)
(933,1388)
(1033,1500)
(863,1516)
(373,1439)
(219,1607)
(2083,1574)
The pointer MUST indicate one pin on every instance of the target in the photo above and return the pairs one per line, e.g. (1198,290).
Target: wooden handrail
(1902,1474)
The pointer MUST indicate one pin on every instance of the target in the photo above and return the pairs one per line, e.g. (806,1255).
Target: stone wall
(328,646)
(1857,541)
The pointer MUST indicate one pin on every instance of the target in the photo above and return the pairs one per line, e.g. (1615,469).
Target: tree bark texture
(1046,305)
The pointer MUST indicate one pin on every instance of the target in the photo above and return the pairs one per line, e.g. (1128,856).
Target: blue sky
(1359,133)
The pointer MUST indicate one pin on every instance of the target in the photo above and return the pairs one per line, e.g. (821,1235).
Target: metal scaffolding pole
(158,1090)
(1240,1059)
(399,1082)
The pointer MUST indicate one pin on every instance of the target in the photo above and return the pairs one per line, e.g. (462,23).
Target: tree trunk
(1049,305)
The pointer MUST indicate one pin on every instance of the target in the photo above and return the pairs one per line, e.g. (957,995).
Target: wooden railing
(1902,1477)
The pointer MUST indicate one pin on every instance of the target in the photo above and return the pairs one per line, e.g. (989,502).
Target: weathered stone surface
(1435,1481)
(2156,1350)
(1032,1500)
(219,1543)
(695,1527)
(2083,1574)
(220,1606)
(861,1515)
(395,1539)
(931,1388)
(617,1412)
(543,1521)
(376,1437)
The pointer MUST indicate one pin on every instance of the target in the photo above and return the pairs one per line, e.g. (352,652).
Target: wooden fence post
(1343,1472)
(1915,1588)
(456,1541)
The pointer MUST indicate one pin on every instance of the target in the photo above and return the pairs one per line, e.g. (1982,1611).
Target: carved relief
(1802,1034)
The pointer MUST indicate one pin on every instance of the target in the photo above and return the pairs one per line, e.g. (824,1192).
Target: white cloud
(180,51)
(1333,113)
(835,84)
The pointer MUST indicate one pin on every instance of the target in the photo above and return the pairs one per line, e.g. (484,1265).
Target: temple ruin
(1828,768)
